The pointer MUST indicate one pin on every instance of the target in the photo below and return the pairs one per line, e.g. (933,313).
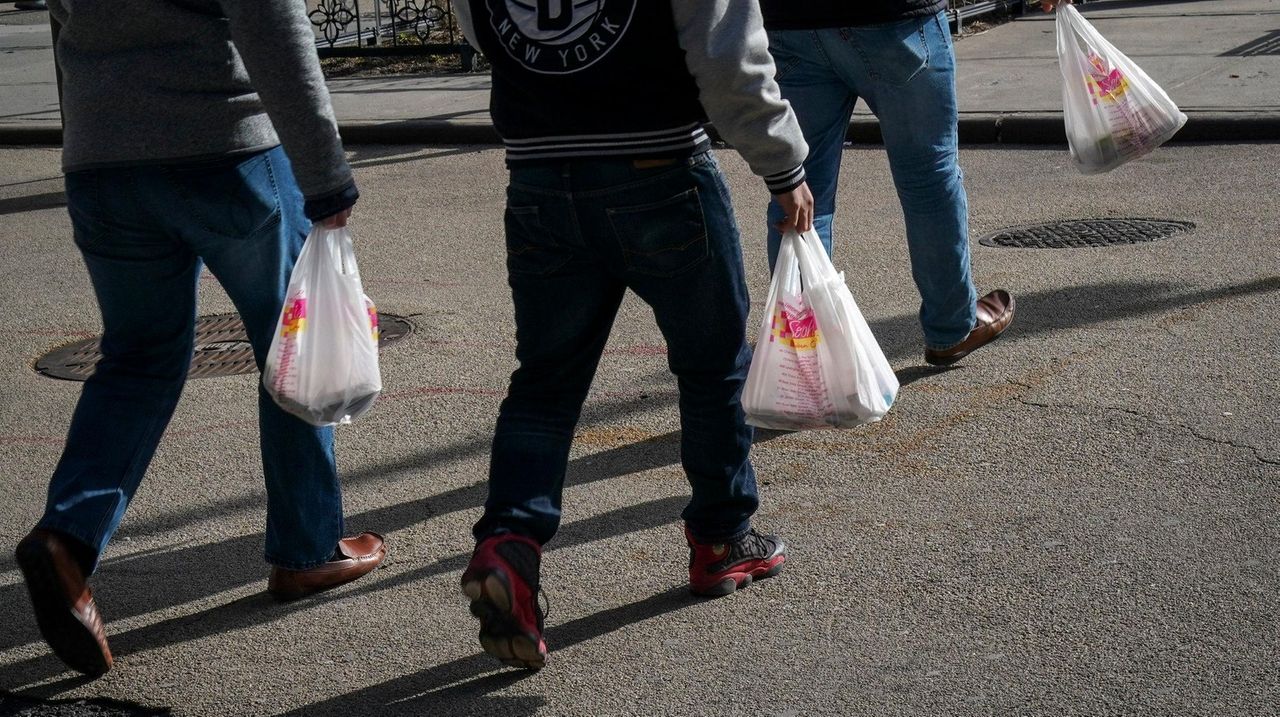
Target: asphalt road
(1080,520)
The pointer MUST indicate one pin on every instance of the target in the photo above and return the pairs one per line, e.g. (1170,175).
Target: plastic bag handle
(341,252)
(814,265)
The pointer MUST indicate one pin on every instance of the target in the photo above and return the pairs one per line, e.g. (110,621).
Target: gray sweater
(158,81)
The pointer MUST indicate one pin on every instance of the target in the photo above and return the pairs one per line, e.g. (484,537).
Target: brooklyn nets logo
(557,37)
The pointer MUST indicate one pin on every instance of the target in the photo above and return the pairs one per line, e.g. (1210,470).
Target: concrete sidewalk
(1216,58)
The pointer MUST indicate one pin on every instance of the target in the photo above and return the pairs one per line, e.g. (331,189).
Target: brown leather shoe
(64,607)
(363,553)
(995,313)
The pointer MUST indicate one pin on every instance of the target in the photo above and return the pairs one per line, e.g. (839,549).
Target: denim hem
(287,565)
(947,347)
(497,530)
(74,531)
(730,538)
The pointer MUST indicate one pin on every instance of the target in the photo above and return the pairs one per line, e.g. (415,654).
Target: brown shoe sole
(995,330)
(288,589)
(71,636)
(935,359)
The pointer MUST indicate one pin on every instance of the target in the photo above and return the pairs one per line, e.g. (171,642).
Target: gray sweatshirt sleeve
(277,44)
(727,52)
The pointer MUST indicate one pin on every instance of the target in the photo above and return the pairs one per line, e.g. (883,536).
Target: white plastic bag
(323,363)
(1114,112)
(816,364)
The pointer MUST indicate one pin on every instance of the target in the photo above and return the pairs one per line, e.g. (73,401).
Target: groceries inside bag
(323,362)
(816,364)
(1114,112)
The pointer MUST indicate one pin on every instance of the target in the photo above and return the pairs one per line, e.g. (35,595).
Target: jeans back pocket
(233,199)
(531,249)
(662,239)
(893,53)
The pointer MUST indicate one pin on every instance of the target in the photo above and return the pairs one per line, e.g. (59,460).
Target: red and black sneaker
(502,584)
(720,568)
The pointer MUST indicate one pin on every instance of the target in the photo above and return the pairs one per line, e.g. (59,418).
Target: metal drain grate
(222,349)
(1082,233)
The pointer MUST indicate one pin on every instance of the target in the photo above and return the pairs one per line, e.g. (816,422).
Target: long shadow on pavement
(259,608)
(212,568)
(462,687)
(223,566)
(136,596)
(1039,313)
(33,202)
(362,158)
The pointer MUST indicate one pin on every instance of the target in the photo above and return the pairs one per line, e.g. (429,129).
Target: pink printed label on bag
(800,392)
(1133,128)
(1109,85)
(294,318)
(373,318)
(795,327)
(293,321)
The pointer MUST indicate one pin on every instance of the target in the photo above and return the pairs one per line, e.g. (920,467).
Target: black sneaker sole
(500,633)
(71,640)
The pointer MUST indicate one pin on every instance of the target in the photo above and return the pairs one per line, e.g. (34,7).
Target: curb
(1013,128)
(1046,128)
(418,131)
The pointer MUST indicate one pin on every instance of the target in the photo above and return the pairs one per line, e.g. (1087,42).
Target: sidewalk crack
(1257,452)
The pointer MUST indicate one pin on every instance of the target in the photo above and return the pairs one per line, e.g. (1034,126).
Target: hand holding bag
(323,362)
(1114,112)
(816,363)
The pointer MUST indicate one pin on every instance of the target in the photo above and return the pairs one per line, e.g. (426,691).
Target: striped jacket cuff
(783,182)
(691,137)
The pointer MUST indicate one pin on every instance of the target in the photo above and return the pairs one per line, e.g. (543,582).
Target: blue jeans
(144,232)
(905,71)
(579,234)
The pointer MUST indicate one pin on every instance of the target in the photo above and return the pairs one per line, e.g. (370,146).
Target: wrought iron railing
(348,28)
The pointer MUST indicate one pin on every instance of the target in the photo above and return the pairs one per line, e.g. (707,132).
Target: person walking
(896,55)
(613,187)
(175,114)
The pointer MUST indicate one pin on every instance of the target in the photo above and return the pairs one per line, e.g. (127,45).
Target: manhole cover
(1079,233)
(222,349)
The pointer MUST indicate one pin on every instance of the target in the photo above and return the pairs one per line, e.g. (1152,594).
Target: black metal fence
(351,28)
(372,28)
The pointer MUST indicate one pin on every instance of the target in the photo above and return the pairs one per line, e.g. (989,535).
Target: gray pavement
(1200,51)
(1080,520)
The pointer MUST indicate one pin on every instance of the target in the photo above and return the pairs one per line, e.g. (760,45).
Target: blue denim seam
(133,462)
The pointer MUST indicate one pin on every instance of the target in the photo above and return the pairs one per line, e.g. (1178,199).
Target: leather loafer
(65,611)
(995,313)
(360,555)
